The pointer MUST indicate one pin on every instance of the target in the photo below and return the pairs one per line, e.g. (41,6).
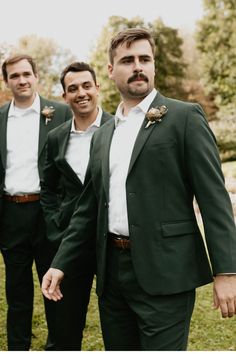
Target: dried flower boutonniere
(47,112)
(155,114)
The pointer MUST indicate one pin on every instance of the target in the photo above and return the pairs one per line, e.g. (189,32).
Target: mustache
(136,77)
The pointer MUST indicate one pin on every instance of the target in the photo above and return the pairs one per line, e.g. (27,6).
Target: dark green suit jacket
(171,162)
(61,114)
(58,205)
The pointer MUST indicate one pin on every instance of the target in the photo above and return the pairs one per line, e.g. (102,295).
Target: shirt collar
(96,123)
(143,106)
(14,111)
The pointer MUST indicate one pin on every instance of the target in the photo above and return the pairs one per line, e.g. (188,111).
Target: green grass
(208,330)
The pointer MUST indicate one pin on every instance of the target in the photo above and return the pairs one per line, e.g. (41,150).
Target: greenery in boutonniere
(155,114)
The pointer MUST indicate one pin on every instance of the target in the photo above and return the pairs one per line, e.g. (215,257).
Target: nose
(137,66)
(22,80)
(81,92)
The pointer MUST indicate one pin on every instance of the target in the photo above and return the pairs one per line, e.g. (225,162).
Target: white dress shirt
(121,149)
(77,153)
(22,176)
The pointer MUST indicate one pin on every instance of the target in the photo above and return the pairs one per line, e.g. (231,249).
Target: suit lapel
(3,134)
(104,119)
(43,127)
(107,137)
(144,133)
(63,139)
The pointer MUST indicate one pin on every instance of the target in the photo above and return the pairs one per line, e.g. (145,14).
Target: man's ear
(98,89)
(110,71)
(64,96)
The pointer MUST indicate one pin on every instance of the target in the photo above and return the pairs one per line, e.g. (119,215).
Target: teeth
(85,101)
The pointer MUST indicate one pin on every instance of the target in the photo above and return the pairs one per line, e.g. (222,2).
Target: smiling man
(66,164)
(23,133)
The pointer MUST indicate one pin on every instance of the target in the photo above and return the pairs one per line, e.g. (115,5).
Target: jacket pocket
(179,228)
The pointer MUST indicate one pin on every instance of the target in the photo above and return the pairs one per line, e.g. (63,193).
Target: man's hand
(51,284)
(224,293)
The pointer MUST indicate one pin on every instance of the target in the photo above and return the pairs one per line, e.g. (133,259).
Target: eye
(72,89)
(87,86)
(127,60)
(14,76)
(145,59)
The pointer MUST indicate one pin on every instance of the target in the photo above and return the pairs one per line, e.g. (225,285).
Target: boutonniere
(47,112)
(155,114)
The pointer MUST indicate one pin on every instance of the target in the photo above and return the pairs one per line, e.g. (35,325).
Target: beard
(135,91)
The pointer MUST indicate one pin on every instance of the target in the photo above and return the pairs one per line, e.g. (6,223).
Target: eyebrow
(17,73)
(132,56)
(81,84)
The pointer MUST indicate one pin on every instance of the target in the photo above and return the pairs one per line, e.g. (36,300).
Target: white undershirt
(121,149)
(77,153)
(22,176)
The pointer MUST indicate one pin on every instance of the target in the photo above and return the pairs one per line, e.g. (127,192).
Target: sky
(76,24)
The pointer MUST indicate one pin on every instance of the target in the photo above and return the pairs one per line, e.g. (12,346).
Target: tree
(50,60)
(168,59)
(216,41)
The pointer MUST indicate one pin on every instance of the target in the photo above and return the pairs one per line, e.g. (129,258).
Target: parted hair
(128,36)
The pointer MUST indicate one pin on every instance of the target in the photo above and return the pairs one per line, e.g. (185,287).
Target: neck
(82,122)
(24,103)
(128,104)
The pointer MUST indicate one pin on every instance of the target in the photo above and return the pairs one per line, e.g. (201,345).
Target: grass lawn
(208,330)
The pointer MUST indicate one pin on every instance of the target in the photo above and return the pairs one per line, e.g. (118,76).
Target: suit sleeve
(207,180)
(50,189)
(78,245)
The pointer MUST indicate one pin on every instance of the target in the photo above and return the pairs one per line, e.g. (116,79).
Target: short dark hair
(128,36)
(77,67)
(15,59)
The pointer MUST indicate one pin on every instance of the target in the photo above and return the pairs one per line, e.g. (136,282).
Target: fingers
(227,308)
(225,295)
(50,284)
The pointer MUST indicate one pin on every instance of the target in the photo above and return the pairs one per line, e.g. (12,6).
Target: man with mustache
(24,125)
(65,167)
(145,169)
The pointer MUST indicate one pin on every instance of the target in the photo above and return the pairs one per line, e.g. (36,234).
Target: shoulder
(60,129)
(105,117)
(182,105)
(182,111)
(4,108)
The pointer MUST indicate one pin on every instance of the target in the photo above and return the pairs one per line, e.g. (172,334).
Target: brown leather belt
(26,198)
(119,241)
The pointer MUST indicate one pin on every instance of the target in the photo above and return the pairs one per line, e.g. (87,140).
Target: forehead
(78,78)
(21,66)
(139,47)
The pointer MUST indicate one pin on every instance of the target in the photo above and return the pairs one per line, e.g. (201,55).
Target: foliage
(225,133)
(50,60)
(193,87)
(168,59)
(216,40)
